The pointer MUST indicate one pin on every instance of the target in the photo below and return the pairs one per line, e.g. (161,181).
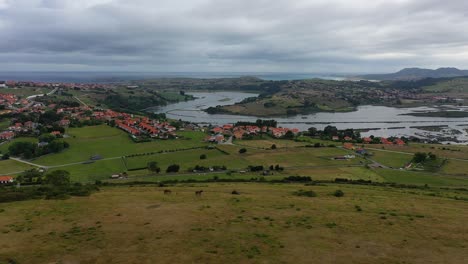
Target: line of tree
(54,185)
(259,123)
(30,150)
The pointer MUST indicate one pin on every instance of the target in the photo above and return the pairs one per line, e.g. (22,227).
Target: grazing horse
(199,193)
(167,191)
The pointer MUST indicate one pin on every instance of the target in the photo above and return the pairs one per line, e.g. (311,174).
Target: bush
(273,146)
(298,179)
(338,193)
(305,193)
(256,168)
(242,150)
(173,168)
(203,156)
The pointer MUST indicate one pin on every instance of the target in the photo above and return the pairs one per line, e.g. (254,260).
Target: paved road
(79,100)
(38,95)
(27,162)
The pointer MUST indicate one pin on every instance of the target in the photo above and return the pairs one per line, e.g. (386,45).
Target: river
(381,120)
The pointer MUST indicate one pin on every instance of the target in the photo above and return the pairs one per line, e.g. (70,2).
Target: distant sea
(109,77)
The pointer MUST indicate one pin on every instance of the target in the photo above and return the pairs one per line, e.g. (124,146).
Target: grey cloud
(243,35)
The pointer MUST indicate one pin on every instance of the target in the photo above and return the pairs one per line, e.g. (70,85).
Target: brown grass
(264,224)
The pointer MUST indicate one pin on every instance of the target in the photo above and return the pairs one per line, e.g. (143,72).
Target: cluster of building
(17,128)
(8,99)
(13,84)
(385,141)
(240,132)
(134,126)
(368,140)
(146,126)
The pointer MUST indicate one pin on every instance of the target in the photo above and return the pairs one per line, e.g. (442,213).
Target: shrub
(273,146)
(203,156)
(173,168)
(308,193)
(338,193)
(242,150)
(255,168)
(298,179)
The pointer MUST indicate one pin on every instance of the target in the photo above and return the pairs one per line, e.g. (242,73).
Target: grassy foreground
(266,223)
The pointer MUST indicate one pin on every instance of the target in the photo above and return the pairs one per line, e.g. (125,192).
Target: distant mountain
(417,74)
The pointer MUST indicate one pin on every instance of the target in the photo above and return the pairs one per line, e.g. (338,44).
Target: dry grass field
(266,223)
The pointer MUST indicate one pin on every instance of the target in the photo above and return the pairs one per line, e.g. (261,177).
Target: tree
(25,148)
(30,176)
(312,131)
(242,150)
(289,135)
(58,178)
(419,157)
(330,131)
(47,138)
(6,156)
(173,168)
(153,167)
(338,193)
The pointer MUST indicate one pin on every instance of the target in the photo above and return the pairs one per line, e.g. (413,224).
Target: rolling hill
(417,74)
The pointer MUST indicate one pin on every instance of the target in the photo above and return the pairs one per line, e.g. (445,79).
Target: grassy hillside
(264,224)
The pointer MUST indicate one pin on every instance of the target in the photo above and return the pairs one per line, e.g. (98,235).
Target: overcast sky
(351,36)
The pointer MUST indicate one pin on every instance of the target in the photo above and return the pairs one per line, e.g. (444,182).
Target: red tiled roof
(6,178)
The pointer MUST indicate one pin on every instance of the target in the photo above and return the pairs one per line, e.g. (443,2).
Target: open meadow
(265,223)
(119,154)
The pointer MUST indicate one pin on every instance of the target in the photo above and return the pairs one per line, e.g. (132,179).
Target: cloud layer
(225,35)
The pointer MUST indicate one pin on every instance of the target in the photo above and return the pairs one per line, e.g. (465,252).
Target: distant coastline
(112,77)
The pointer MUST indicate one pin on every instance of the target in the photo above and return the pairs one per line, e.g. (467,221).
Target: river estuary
(380,120)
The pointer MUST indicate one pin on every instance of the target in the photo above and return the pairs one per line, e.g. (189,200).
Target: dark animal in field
(199,193)
(167,191)
(235,192)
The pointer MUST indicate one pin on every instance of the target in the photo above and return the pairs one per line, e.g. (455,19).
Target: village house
(349,146)
(64,123)
(385,141)
(127,128)
(30,125)
(238,134)
(399,142)
(219,138)
(55,133)
(217,130)
(149,129)
(6,179)
(7,135)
